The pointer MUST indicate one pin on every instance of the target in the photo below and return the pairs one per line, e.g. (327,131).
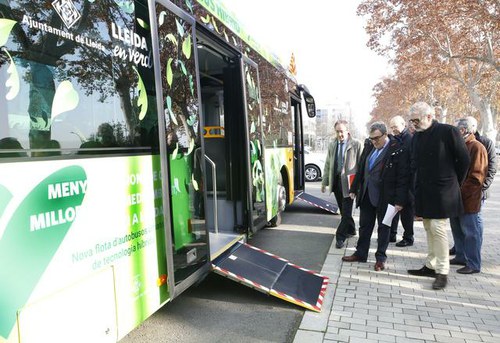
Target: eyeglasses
(415,121)
(373,139)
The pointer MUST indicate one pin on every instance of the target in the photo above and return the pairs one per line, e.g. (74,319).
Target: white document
(389,215)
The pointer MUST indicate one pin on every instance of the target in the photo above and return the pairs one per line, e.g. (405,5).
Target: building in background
(319,130)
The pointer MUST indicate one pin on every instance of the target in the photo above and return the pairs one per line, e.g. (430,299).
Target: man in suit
(441,161)
(382,179)
(399,130)
(467,229)
(340,167)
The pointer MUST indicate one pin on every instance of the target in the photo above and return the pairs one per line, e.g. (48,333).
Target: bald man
(398,127)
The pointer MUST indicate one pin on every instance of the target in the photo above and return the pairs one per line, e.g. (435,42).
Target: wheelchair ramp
(318,202)
(273,275)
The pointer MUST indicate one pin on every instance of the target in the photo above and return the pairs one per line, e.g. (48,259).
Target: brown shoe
(379,266)
(352,258)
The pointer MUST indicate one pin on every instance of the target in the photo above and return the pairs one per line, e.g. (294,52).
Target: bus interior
(222,114)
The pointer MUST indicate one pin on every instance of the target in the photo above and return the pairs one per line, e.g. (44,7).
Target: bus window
(86,89)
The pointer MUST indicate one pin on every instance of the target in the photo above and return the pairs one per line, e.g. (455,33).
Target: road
(221,310)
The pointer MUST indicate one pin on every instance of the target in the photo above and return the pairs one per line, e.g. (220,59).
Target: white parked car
(314,163)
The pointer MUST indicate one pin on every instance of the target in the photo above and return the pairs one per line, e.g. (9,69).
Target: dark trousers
(407,215)
(367,216)
(346,226)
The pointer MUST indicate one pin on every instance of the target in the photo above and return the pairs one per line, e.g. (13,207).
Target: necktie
(373,157)
(340,157)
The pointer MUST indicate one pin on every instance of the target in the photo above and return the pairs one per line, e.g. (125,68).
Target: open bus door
(254,137)
(298,151)
(224,139)
(182,151)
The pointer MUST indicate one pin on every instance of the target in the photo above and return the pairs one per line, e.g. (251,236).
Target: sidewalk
(362,305)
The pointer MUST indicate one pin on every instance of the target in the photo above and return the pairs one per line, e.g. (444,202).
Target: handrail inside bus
(214,182)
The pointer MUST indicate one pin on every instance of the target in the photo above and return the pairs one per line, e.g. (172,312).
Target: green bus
(138,141)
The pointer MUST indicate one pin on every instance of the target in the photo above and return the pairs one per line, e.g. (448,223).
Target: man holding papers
(382,179)
(341,163)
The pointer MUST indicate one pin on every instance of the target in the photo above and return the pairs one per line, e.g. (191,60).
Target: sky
(329,44)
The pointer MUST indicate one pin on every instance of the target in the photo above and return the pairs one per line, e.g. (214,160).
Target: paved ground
(362,305)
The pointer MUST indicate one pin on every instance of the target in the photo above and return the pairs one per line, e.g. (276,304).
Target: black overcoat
(441,160)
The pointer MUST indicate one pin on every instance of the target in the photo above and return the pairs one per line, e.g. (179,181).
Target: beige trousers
(437,245)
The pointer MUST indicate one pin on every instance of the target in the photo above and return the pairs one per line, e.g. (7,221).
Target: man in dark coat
(441,161)
(399,130)
(381,179)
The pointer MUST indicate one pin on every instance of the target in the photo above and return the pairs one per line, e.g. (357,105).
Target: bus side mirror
(310,104)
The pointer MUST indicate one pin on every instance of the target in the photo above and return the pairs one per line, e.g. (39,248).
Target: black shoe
(440,282)
(404,243)
(453,251)
(456,262)
(339,244)
(424,271)
(393,239)
(467,270)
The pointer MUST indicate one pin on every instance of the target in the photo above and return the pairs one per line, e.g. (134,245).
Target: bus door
(224,141)
(182,147)
(298,145)
(298,152)
(254,135)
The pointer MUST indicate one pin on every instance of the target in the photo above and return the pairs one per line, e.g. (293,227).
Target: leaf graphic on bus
(206,20)
(142,23)
(142,102)
(252,127)
(189,5)
(186,47)
(174,153)
(161,18)
(169,110)
(214,23)
(172,38)
(194,182)
(191,147)
(5,196)
(183,67)
(191,120)
(180,28)
(226,36)
(13,80)
(173,117)
(170,74)
(6,26)
(65,99)
(33,235)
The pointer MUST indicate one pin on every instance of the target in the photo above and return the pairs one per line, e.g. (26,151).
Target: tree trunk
(484,108)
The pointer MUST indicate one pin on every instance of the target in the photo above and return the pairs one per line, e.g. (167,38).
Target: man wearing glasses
(441,161)
(382,179)
(340,167)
